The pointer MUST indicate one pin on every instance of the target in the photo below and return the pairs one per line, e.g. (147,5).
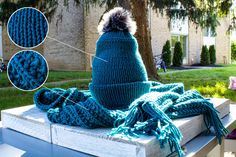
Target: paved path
(191,68)
(50,83)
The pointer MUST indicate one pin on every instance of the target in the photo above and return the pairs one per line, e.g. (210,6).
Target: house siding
(195,41)
(67,26)
(78,28)
(91,22)
(160,32)
(223,48)
(9,48)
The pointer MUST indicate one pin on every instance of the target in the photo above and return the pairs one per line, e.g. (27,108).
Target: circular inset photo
(27,70)
(27,27)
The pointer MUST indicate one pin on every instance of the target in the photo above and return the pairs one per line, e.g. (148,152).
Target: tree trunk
(139,9)
(124,3)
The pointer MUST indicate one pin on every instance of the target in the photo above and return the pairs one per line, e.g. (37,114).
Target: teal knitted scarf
(151,114)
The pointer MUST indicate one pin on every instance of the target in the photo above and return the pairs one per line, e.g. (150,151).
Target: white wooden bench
(33,122)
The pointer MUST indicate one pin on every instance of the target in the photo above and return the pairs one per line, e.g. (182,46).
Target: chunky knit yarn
(27,70)
(150,114)
(123,77)
(120,95)
(27,27)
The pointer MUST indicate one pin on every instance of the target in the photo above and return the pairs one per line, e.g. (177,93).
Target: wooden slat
(33,122)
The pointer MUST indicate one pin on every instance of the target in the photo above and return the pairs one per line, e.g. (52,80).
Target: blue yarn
(27,70)
(27,27)
(128,78)
(120,95)
(150,114)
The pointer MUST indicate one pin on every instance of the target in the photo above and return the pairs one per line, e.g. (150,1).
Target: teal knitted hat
(119,75)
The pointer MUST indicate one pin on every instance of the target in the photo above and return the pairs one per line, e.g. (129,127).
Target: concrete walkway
(50,83)
(189,68)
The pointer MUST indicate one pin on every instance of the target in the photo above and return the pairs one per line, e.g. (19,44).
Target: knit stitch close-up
(27,27)
(122,98)
(27,70)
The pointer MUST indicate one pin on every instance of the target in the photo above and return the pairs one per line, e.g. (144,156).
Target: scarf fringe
(151,114)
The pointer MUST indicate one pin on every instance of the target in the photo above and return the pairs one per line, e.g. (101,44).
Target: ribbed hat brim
(119,96)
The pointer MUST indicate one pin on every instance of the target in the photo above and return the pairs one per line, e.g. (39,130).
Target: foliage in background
(178,55)
(167,53)
(233,51)
(205,56)
(212,52)
(205,14)
(214,79)
(7,7)
(202,13)
(217,91)
(205,78)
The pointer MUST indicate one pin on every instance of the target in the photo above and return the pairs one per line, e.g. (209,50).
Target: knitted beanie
(119,75)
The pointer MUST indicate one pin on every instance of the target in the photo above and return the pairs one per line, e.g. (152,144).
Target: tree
(178,55)
(202,13)
(212,52)
(205,56)
(167,53)
(233,51)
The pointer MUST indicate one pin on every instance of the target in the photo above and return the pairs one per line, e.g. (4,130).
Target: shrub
(205,57)
(178,55)
(212,52)
(167,56)
(215,91)
(233,51)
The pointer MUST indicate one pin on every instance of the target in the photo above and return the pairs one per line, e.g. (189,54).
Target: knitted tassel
(150,114)
(146,116)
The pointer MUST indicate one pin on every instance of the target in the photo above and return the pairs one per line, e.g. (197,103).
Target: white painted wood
(33,122)
(190,128)
(10,151)
(74,138)
(28,120)
(201,145)
(230,145)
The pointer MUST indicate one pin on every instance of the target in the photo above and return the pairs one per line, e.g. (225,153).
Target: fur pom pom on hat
(123,78)
(118,19)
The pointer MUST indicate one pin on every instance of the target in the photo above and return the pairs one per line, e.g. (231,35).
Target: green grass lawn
(11,97)
(52,77)
(211,83)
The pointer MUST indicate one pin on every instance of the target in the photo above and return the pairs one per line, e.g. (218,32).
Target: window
(183,40)
(179,26)
(207,32)
(208,37)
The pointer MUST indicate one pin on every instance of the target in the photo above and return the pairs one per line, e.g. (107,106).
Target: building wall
(67,26)
(9,48)
(91,22)
(76,27)
(0,41)
(223,48)
(195,41)
(160,32)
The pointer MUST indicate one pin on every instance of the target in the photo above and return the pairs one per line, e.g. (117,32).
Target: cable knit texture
(149,114)
(27,70)
(122,98)
(27,27)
